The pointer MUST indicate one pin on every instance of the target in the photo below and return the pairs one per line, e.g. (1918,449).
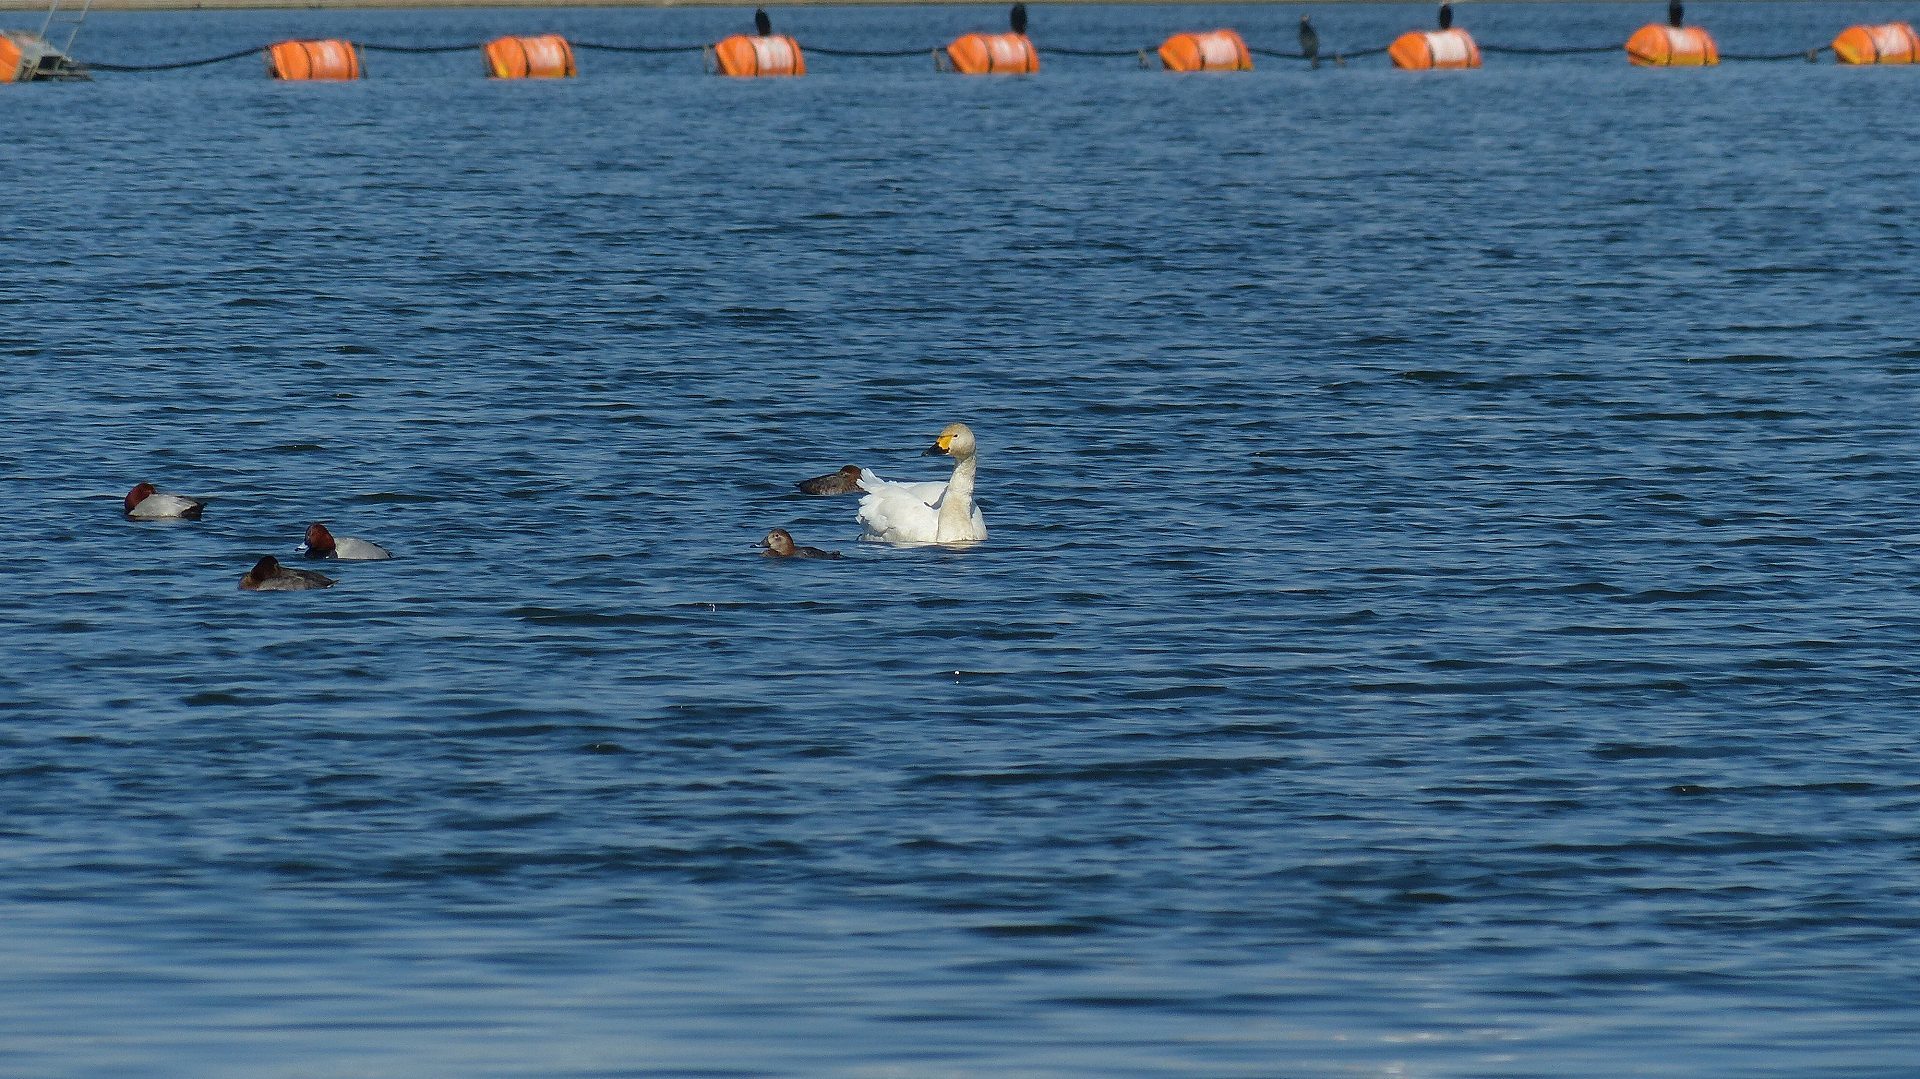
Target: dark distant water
(1451,606)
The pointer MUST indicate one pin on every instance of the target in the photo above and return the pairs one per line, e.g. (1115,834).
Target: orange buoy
(1892,43)
(11,59)
(546,56)
(301,61)
(1211,50)
(750,55)
(993,54)
(1425,50)
(1654,45)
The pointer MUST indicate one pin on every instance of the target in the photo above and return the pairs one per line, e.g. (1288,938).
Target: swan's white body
(930,512)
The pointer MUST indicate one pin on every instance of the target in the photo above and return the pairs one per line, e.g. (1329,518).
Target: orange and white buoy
(1889,43)
(545,56)
(993,54)
(1434,50)
(329,60)
(1654,45)
(1210,50)
(746,56)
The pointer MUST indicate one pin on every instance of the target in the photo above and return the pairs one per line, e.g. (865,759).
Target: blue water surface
(1450,607)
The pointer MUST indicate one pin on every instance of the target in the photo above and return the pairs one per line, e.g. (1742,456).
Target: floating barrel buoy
(1424,50)
(12,60)
(1211,50)
(993,54)
(1654,45)
(301,61)
(1893,43)
(749,55)
(546,56)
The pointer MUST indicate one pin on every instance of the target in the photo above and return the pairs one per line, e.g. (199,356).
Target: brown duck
(844,482)
(268,575)
(779,544)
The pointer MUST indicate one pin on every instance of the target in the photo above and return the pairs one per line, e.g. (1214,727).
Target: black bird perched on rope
(1446,16)
(1309,41)
(761,24)
(1675,13)
(1017,18)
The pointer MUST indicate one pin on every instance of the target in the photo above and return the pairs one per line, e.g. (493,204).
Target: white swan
(931,512)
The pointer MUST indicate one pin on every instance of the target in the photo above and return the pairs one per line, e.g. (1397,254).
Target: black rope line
(1103,54)
(638,48)
(177,66)
(1809,55)
(1521,50)
(1276,54)
(878,54)
(417,49)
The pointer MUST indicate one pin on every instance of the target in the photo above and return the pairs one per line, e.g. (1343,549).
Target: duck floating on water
(147,503)
(779,544)
(844,482)
(930,512)
(268,575)
(321,543)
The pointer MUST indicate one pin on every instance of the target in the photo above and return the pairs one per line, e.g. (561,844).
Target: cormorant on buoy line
(1446,16)
(761,24)
(1675,13)
(1017,18)
(1309,41)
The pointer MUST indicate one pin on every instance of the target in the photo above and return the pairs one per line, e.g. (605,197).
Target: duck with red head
(268,575)
(324,544)
(147,503)
(844,482)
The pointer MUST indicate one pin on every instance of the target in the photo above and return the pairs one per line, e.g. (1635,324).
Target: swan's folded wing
(929,491)
(893,512)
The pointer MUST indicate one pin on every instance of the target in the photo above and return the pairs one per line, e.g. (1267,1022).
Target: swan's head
(779,543)
(956,440)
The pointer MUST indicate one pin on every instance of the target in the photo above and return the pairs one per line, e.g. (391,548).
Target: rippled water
(1450,608)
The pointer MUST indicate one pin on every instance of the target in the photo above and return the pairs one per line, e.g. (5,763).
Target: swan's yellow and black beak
(939,447)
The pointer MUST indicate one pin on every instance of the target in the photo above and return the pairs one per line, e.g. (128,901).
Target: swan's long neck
(956,508)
